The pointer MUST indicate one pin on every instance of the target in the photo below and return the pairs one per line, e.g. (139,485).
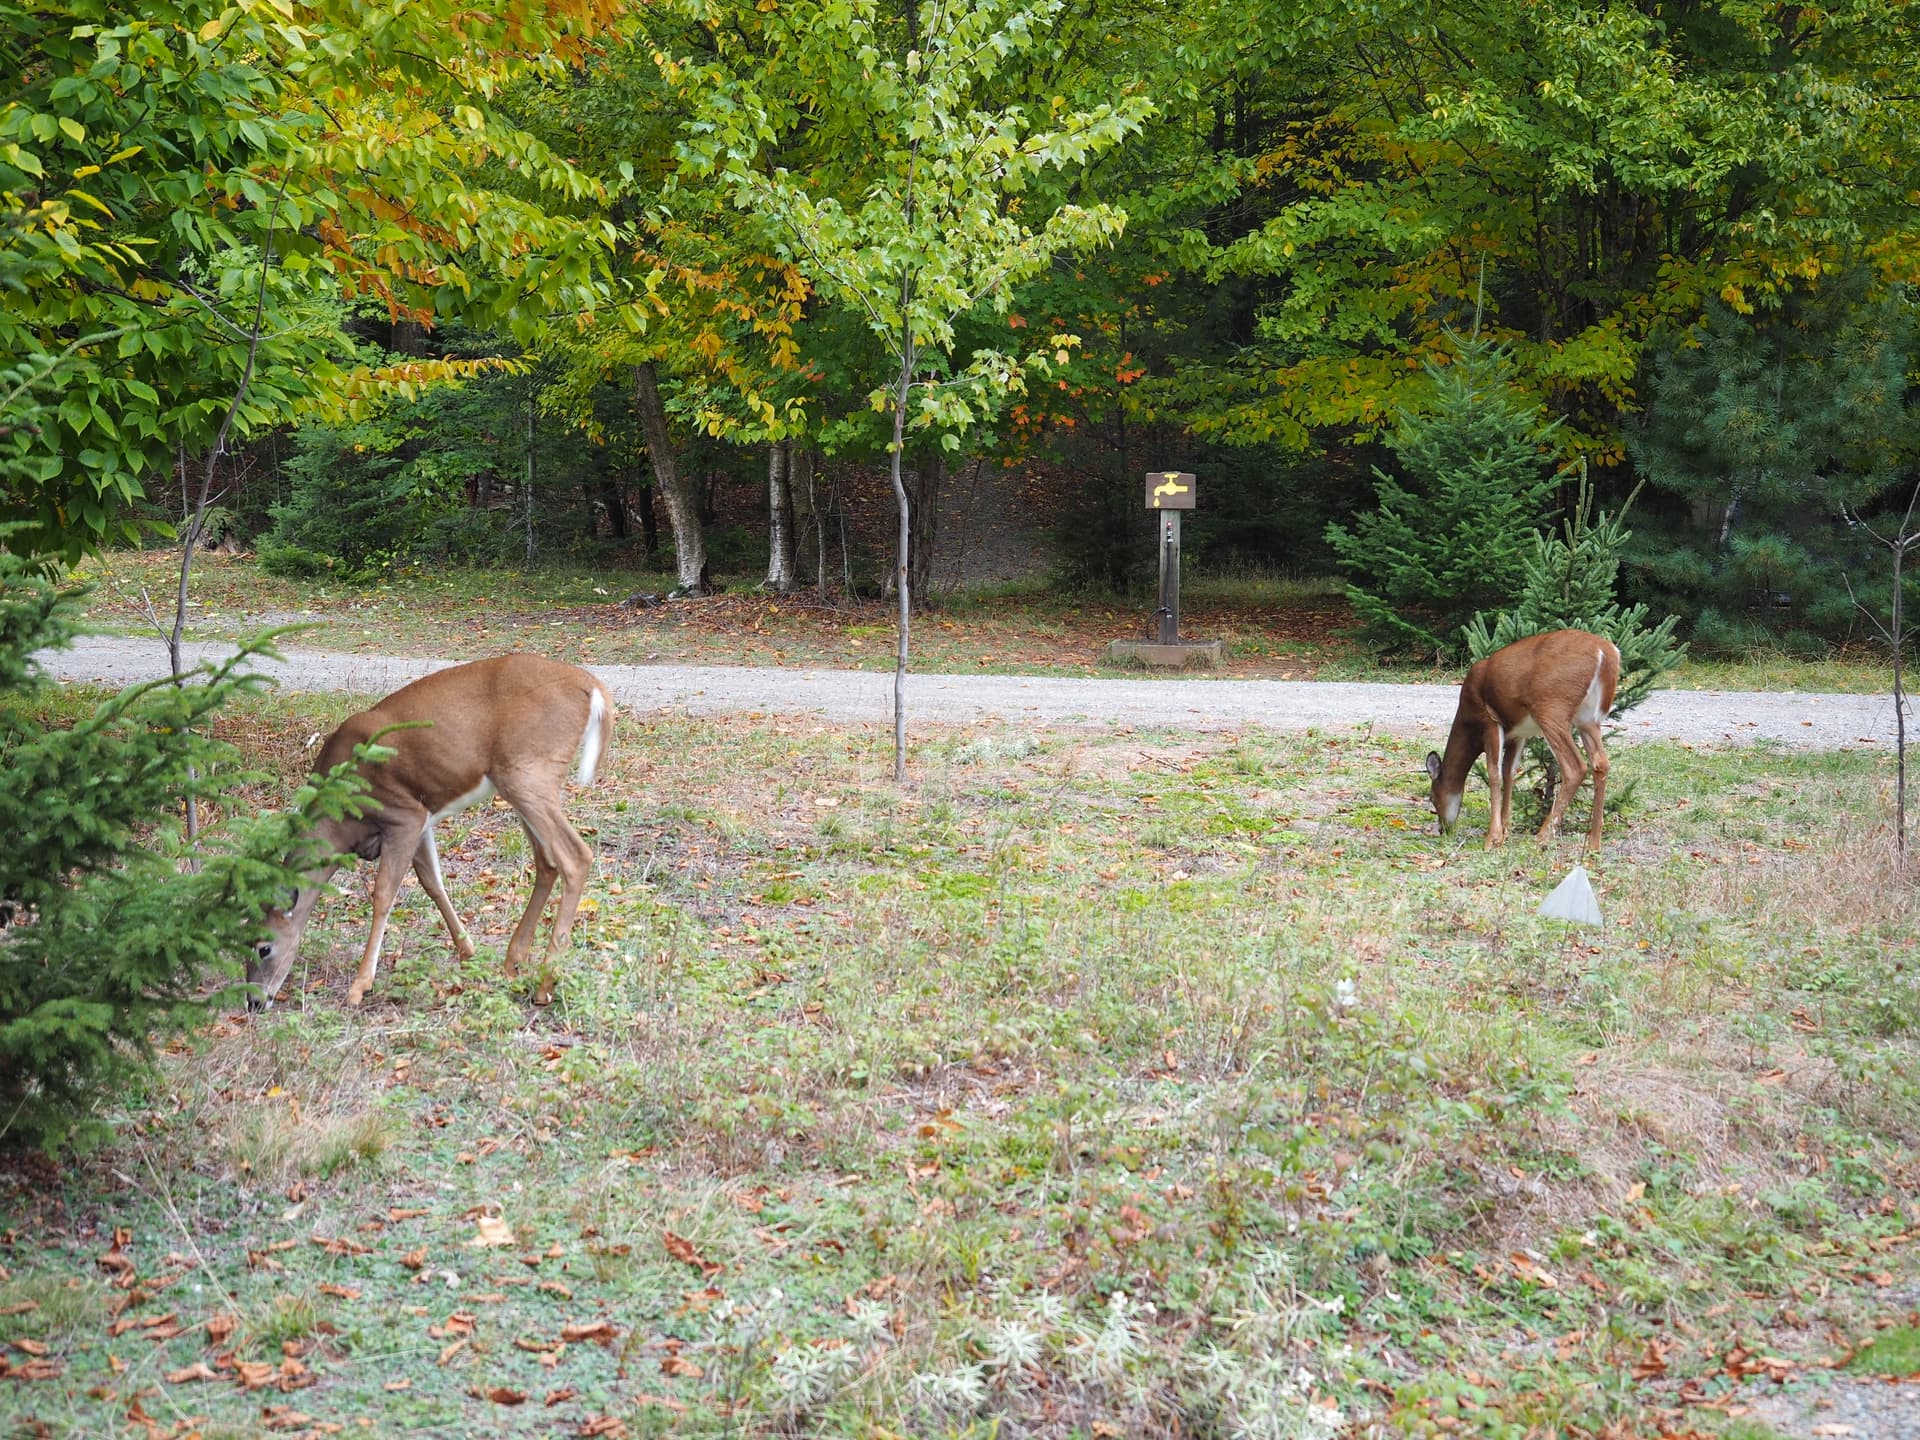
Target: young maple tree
(931,216)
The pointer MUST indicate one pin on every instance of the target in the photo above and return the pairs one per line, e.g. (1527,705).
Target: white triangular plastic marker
(1573,900)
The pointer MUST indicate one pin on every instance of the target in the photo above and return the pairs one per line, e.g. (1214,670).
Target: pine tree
(1772,430)
(1569,584)
(117,940)
(1449,534)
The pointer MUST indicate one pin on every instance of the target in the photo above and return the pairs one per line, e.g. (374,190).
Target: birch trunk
(683,508)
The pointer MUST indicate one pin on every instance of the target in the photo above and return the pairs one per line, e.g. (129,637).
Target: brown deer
(514,725)
(1547,685)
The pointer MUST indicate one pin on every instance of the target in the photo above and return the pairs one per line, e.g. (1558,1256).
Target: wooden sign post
(1168,493)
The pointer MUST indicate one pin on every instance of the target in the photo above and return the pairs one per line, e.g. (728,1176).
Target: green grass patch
(1142,1082)
(1891,1352)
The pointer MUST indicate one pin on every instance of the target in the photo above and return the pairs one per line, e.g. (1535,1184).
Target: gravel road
(1694,717)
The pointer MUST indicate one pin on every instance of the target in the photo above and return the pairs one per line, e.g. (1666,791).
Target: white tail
(1547,685)
(514,725)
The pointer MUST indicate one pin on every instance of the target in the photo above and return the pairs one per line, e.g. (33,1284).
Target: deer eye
(265,948)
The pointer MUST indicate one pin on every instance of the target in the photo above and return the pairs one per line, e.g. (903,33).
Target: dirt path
(1694,717)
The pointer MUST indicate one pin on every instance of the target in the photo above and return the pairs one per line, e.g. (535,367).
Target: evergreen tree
(1569,585)
(117,938)
(1773,430)
(1449,535)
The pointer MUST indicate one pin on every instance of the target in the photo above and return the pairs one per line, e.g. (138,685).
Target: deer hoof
(356,994)
(463,947)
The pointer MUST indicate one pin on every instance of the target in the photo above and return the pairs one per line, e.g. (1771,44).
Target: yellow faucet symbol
(1170,486)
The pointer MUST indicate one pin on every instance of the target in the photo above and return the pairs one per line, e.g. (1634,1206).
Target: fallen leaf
(458,1323)
(601,1331)
(340,1245)
(200,1371)
(415,1259)
(339,1292)
(452,1350)
(502,1395)
(403,1383)
(681,1367)
(602,1427)
(285,1417)
(492,1230)
(221,1326)
(396,1213)
(681,1249)
(30,1347)
(560,1396)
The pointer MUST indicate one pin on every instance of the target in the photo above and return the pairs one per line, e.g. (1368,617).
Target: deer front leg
(426,864)
(1509,768)
(397,846)
(1494,747)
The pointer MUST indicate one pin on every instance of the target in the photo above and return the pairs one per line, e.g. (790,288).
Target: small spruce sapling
(121,942)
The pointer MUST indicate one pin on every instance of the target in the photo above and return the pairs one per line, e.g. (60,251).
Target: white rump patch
(1589,711)
(593,740)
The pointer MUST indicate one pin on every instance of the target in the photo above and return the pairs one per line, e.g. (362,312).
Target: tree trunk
(649,521)
(614,496)
(902,553)
(929,474)
(809,536)
(528,507)
(683,508)
(780,510)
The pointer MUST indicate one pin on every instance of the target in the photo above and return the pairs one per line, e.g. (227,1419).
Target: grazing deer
(1547,685)
(514,725)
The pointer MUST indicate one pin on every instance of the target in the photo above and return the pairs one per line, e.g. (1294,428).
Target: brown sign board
(1169,490)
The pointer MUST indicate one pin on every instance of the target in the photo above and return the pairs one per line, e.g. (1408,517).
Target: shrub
(1569,585)
(124,941)
(1450,535)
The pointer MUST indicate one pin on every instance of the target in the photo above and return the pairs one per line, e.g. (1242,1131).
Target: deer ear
(1433,765)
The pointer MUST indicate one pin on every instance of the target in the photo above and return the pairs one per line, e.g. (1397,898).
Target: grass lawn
(1272,628)
(1090,1087)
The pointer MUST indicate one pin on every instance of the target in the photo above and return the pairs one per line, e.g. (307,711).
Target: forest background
(583,279)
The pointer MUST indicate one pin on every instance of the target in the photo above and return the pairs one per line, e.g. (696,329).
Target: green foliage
(138,205)
(388,485)
(1569,585)
(1774,431)
(932,231)
(1450,534)
(123,936)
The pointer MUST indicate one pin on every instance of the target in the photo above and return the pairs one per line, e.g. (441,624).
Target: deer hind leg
(397,846)
(572,859)
(560,857)
(545,873)
(1560,740)
(1597,763)
(426,864)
